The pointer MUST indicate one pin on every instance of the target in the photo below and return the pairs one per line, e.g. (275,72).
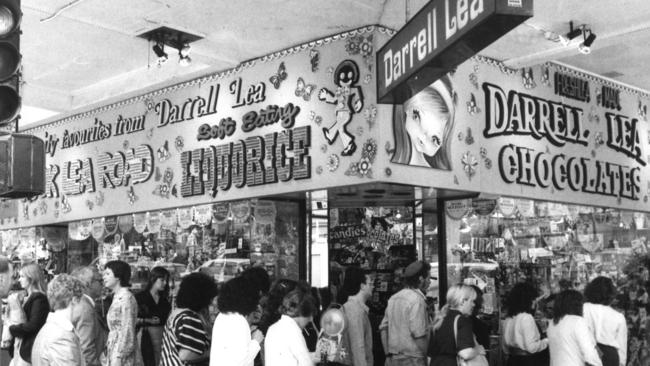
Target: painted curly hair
(62,289)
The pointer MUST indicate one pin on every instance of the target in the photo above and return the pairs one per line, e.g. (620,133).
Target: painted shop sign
(548,132)
(270,126)
(267,127)
(442,35)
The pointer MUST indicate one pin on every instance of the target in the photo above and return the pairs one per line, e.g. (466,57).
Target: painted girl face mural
(422,127)
(425,123)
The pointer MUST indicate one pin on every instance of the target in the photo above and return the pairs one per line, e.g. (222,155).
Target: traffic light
(22,156)
(10,17)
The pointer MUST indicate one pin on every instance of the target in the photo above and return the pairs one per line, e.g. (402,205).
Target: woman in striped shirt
(185,339)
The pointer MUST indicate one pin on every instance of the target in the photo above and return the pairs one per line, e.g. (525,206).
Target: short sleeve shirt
(183,330)
(405,320)
(443,346)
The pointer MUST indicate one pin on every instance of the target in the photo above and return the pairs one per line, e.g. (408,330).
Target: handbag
(479,360)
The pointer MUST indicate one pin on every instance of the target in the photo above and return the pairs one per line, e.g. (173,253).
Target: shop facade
(288,161)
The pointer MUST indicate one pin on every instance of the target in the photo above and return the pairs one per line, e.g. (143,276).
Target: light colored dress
(121,344)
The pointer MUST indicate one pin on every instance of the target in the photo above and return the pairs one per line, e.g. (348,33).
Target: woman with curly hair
(521,338)
(57,343)
(232,340)
(569,340)
(185,339)
(606,324)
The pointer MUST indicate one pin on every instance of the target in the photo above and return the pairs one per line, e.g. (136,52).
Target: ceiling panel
(80,52)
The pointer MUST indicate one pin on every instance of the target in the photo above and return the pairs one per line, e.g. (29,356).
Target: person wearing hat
(405,327)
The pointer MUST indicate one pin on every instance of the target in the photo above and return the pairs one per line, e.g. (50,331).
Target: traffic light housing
(10,18)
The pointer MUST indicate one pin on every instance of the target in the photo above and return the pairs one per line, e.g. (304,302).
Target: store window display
(555,247)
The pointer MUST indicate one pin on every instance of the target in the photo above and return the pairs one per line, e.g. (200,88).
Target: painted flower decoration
(365,47)
(370,114)
(367,79)
(599,139)
(388,172)
(131,195)
(527,78)
(353,169)
(42,206)
(352,46)
(369,150)
(469,164)
(364,166)
(315,119)
(149,103)
(179,143)
(488,163)
(332,162)
(593,115)
(323,148)
(473,79)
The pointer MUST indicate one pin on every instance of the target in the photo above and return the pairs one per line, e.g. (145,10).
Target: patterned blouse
(120,346)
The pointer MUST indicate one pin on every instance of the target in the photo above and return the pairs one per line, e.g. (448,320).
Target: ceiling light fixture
(585,46)
(174,38)
(573,33)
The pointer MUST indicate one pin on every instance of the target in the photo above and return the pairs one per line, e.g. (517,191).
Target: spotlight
(573,33)
(159,50)
(585,46)
(184,60)
(185,50)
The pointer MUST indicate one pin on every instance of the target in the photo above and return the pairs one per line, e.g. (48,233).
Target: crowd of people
(272,324)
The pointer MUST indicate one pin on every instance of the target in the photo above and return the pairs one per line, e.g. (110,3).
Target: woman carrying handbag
(453,342)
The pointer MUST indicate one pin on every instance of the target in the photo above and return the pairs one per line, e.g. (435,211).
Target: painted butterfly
(314,58)
(304,90)
(163,152)
(279,77)
(99,200)
(65,205)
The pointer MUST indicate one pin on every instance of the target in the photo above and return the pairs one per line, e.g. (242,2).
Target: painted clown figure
(348,99)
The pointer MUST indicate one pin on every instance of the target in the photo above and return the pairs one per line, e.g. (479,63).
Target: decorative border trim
(568,69)
(215,76)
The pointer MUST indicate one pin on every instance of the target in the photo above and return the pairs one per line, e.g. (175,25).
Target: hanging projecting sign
(440,37)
